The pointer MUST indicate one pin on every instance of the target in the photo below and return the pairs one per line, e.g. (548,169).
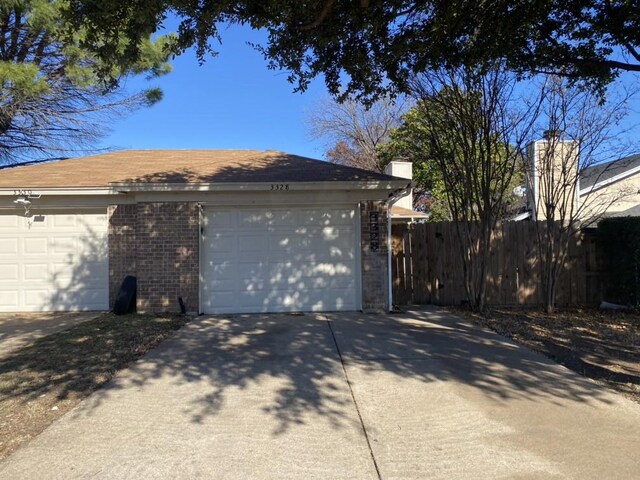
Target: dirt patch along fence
(427,268)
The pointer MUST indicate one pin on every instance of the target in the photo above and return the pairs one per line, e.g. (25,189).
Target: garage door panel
(314,217)
(79,297)
(292,283)
(219,260)
(84,272)
(35,298)
(8,247)
(224,302)
(36,224)
(270,218)
(253,271)
(61,262)
(220,285)
(281,218)
(9,300)
(35,246)
(35,272)
(337,253)
(281,260)
(285,300)
(92,223)
(9,273)
(8,223)
(221,243)
(248,244)
(63,221)
(319,217)
(63,245)
(220,219)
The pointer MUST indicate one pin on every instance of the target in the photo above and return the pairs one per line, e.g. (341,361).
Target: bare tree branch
(476,127)
(352,132)
(581,133)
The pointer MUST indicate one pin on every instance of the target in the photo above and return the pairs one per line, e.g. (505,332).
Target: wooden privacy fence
(427,268)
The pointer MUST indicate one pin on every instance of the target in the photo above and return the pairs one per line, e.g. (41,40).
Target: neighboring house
(616,183)
(227,231)
(588,193)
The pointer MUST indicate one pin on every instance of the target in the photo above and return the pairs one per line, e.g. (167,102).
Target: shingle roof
(401,212)
(180,167)
(604,171)
(630,212)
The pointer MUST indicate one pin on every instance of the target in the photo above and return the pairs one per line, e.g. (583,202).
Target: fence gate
(402,264)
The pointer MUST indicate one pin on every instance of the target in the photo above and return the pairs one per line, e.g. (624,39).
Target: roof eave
(127,187)
(609,181)
(26,191)
(260,186)
(408,216)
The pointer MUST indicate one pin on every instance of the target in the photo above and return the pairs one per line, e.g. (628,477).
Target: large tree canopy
(380,44)
(52,99)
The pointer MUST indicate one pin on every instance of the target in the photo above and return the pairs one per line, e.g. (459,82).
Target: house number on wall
(279,186)
(374,232)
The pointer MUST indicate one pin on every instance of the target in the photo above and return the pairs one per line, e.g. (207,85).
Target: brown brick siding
(375,275)
(162,251)
(167,263)
(122,246)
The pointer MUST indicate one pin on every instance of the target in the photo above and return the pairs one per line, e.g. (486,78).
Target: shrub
(619,242)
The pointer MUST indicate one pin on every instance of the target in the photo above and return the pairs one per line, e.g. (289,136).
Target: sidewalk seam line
(353,398)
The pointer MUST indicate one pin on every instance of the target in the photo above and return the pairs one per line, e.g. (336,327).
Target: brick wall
(375,275)
(167,256)
(122,246)
(159,244)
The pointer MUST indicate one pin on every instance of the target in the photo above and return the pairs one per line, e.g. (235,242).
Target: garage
(280,259)
(54,260)
(202,231)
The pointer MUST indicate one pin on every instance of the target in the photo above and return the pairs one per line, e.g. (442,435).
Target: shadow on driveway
(266,396)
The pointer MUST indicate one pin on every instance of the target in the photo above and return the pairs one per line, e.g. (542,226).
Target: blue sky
(232,101)
(235,101)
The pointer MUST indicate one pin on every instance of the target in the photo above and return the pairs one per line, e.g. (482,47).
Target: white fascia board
(609,181)
(260,186)
(120,188)
(25,191)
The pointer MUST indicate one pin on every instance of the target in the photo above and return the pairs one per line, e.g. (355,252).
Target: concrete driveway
(418,395)
(18,330)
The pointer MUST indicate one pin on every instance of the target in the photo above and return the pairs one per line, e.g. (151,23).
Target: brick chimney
(552,170)
(402,170)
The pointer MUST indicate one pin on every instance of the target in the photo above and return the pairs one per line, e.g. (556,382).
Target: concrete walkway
(418,395)
(17,330)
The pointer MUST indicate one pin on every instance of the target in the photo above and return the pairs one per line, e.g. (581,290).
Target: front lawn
(41,382)
(603,345)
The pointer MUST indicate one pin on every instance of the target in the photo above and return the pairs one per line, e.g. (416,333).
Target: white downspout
(392,198)
(389,259)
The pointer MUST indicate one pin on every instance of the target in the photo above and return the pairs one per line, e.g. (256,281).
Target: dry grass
(603,345)
(41,382)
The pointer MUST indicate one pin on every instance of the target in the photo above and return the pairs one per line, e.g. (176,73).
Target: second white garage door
(279,260)
(54,261)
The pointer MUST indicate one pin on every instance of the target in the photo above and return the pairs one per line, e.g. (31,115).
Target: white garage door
(54,261)
(279,260)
